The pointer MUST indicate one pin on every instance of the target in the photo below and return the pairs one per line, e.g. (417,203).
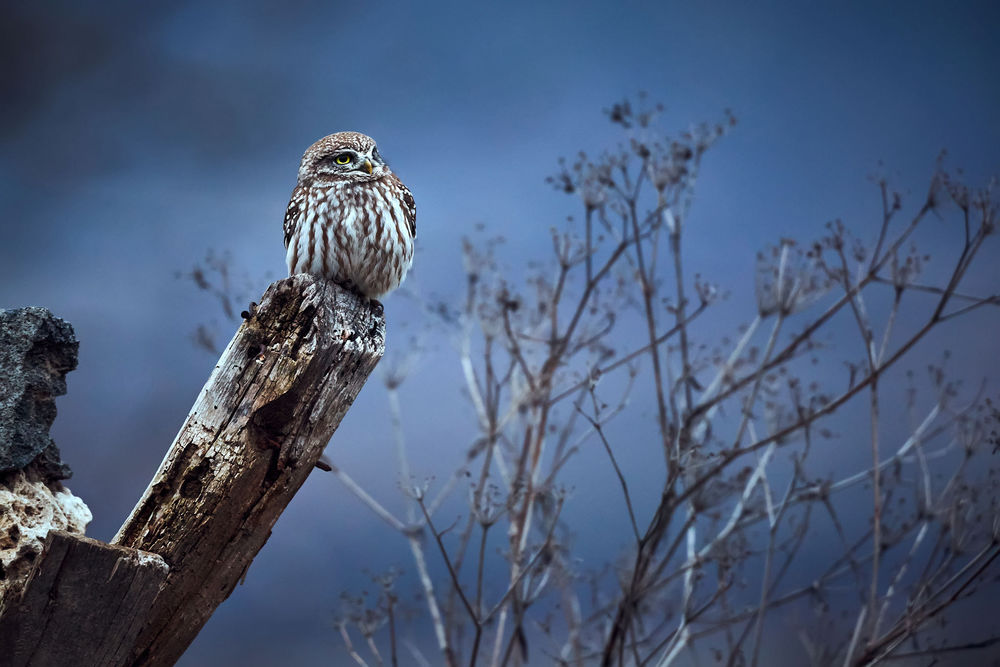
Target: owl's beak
(368,167)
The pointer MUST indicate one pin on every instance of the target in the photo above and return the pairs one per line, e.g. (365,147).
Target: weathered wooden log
(83,604)
(254,434)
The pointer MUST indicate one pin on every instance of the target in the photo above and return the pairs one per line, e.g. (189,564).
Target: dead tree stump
(252,437)
(84,604)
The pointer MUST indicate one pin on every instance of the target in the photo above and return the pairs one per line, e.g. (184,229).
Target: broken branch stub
(253,436)
(83,604)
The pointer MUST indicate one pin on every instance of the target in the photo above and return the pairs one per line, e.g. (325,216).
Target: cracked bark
(83,604)
(252,437)
(254,434)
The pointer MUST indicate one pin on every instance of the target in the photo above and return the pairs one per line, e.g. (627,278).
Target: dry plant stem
(832,573)
(765,585)
(889,327)
(498,640)
(723,374)
(887,215)
(417,655)
(933,289)
(590,245)
(867,335)
(678,639)
(395,416)
(649,544)
(473,615)
(900,572)
(350,646)
(827,409)
(788,352)
(647,547)
(938,651)
(694,558)
(393,650)
(631,356)
(535,433)
(374,649)
(481,567)
(440,628)
(675,247)
(648,292)
(618,471)
(855,636)
(487,410)
(501,604)
(882,646)
(871,380)
(835,571)
(427,586)
(366,499)
(876,499)
(748,405)
(555,337)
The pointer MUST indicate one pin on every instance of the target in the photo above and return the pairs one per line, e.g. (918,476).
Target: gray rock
(37,350)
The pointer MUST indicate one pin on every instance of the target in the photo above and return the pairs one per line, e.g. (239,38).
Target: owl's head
(342,157)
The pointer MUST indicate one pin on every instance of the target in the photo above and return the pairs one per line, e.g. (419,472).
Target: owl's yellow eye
(343,158)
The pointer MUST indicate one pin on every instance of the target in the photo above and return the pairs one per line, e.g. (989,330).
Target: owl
(350,219)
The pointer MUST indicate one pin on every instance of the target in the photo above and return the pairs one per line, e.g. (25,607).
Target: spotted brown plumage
(350,219)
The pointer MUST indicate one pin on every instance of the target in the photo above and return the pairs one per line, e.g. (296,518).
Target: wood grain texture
(83,604)
(253,436)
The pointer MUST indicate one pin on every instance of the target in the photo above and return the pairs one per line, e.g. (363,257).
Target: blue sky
(137,139)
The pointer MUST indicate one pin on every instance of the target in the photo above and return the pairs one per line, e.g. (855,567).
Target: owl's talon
(250,311)
(348,286)
(376,307)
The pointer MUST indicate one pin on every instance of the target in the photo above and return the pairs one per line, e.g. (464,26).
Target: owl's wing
(411,208)
(295,206)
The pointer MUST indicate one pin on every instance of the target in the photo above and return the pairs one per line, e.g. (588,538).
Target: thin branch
(618,471)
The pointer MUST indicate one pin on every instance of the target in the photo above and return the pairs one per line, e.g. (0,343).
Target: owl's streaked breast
(359,234)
